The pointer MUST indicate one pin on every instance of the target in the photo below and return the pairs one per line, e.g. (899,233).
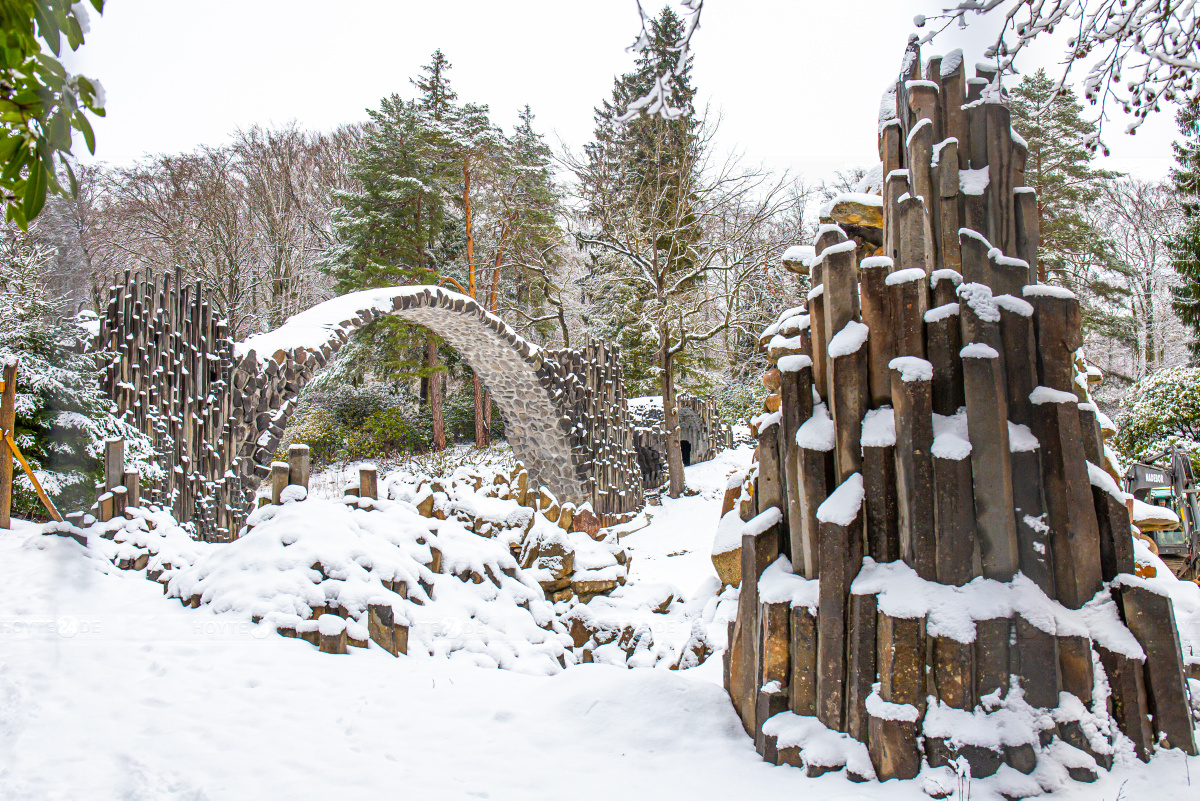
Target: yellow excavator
(1165,508)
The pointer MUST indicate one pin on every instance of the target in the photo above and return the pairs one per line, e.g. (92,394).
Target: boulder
(729,567)
(587,521)
(846,211)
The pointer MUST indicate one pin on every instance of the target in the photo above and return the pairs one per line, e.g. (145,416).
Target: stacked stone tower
(936,560)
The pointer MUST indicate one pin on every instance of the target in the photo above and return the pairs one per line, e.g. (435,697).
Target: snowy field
(109,690)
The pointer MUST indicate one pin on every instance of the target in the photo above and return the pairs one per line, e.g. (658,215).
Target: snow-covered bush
(1161,409)
(62,418)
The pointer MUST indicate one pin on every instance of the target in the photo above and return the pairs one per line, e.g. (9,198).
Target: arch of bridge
(523,381)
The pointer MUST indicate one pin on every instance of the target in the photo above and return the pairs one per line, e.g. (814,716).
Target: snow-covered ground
(110,690)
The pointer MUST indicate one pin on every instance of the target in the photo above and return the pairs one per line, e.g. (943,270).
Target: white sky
(798,81)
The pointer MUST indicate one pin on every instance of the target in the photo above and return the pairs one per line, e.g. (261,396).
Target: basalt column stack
(923,528)
(166,361)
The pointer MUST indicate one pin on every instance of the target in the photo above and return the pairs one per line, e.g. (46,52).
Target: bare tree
(685,238)
(250,221)
(1139,218)
(1139,52)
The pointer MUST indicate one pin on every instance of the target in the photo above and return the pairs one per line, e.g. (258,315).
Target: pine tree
(1185,248)
(394,231)
(1073,251)
(469,146)
(436,96)
(62,417)
(528,234)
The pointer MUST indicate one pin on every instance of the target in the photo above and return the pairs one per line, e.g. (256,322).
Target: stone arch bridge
(216,409)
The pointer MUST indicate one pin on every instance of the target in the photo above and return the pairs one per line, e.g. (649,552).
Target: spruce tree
(1185,247)
(1073,251)
(529,233)
(632,158)
(62,417)
(639,183)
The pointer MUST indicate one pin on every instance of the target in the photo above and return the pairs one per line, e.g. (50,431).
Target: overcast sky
(797,81)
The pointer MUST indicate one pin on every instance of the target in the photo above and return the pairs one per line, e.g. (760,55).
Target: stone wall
(701,433)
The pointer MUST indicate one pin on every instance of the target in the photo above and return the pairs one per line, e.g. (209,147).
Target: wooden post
(368,481)
(114,463)
(8,422)
(279,481)
(298,465)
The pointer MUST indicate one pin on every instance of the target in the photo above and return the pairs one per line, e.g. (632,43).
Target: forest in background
(648,237)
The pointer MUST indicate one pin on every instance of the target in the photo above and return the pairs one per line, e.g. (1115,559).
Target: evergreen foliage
(1185,248)
(440,185)
(1073,252)
(395,230)
(528,233)
(1160,410)
(62,417)
(642,171)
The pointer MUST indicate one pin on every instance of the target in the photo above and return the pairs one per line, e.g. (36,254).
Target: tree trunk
(481,427)
(481,432)
(494,295)
(435,393)
(487,413)
(666,363)
(468,225)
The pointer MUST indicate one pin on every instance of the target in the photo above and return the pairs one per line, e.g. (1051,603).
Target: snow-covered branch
(1139,52)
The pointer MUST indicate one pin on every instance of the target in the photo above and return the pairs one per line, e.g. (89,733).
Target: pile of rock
(562,544)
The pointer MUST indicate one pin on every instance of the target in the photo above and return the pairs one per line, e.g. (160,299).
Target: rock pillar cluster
(936,560)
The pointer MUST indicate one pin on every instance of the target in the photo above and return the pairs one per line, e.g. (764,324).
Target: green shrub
(318,429)
(1161,410)
(737,403)
(382,434)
